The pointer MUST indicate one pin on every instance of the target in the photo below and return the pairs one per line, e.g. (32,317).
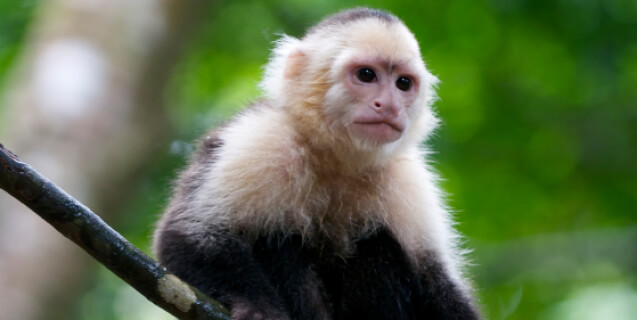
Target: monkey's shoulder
(259,139)
(255,150)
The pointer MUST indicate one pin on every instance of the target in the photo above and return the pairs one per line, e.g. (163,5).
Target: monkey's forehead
(390,41)
(348,16)
(387,40)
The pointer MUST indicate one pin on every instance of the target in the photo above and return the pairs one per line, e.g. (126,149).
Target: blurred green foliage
(14,18)
(538,147)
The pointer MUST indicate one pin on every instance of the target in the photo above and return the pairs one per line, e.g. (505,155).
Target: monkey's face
(358,86)
(372,99)
(377,77)
(381,94)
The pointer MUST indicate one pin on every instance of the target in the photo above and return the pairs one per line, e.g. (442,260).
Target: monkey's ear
(295,64)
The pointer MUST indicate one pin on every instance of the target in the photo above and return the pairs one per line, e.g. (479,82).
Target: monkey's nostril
(377,104)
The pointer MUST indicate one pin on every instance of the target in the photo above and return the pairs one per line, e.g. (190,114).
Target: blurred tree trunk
(84,108)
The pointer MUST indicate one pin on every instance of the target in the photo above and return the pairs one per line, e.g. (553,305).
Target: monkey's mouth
(378,131)
(382,123)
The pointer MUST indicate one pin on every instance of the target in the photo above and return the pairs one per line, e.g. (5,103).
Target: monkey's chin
(378,133)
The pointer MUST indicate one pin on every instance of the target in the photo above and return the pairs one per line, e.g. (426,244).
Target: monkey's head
(356,82)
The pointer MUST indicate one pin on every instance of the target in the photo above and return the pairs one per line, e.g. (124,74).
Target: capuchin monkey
(317,202)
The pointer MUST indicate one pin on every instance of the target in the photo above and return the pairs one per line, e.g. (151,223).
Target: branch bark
(76,222)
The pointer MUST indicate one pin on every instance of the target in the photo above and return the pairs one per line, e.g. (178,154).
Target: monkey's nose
(387,109)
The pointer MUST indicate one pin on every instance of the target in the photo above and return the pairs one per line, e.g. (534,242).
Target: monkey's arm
(440,298)
(224,269)
(379,282)
(290,263)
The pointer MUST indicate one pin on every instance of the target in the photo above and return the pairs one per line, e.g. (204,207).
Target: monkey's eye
(403,83)
(366,75)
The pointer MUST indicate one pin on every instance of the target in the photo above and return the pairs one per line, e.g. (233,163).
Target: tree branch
(76,222)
